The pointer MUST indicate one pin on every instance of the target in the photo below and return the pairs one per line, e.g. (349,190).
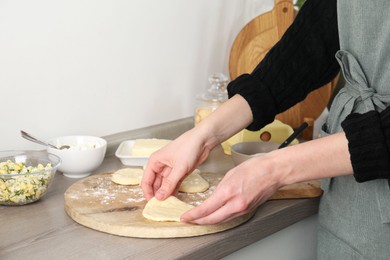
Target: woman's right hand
(169,166)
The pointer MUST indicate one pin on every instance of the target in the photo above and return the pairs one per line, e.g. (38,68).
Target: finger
(157,183)
(222,215)
(176,191)
(147,185)
(149,178)
(170,181)
(209,206)
(159,180)
(227,212)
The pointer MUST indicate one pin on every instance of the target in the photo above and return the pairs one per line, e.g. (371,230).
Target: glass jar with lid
(210,100)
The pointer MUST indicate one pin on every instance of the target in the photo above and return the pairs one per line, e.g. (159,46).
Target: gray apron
(354,218)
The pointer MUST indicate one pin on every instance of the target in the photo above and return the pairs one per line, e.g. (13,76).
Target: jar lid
(217,91)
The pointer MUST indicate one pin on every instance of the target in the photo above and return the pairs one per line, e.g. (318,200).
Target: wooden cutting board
(252,44)
(98,203)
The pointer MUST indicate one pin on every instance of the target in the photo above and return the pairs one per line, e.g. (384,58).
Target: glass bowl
(25,176)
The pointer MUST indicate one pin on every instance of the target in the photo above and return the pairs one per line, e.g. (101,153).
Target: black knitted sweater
(302,61)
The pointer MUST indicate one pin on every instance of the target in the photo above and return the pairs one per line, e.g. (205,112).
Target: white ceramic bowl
(85,155)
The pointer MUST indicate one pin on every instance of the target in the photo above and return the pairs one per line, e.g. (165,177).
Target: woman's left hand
(242,190)
(252,182)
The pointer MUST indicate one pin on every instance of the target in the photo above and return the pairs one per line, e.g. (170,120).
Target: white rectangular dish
(124,154)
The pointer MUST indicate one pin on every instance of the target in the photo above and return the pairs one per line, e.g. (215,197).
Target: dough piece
(128,176)
(168,210)
(145,147)
(194,183)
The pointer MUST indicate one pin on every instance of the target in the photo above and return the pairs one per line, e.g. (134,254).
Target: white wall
(101,67)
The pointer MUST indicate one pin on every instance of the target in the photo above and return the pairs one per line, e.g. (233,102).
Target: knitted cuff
(385,121)
(367,146)
(255,93)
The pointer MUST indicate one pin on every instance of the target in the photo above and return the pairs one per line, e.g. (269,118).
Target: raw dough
(128,176)
(145,147)
(167,210)
(194,183)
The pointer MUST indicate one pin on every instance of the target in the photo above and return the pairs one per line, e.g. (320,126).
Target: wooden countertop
(43,230)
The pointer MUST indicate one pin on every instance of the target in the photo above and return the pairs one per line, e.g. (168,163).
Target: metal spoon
(35,140)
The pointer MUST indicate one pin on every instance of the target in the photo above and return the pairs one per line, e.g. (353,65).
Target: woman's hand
(170,165)
(251,183)
(242,190)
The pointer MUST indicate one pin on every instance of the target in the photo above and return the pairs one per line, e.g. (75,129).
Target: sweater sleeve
(302,61)
(368,137)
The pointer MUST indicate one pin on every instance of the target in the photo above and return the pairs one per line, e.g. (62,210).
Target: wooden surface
(307,189)
(252,44)
(43,230)
(98,203)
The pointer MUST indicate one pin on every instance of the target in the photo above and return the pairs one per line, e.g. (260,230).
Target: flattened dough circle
(194,183)
(165,210)
(128,176)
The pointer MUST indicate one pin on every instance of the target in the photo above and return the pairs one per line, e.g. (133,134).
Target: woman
(352,158)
